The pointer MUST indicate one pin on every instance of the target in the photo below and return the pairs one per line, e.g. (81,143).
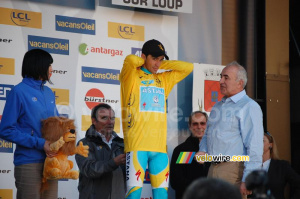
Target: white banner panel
(88,48)
(206,86)
(185,6)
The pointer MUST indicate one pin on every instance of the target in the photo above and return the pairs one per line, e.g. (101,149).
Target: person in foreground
(211,188)
(235,127)
(102,173)
(182,175)
(280,173)
(144,92)
(27,104)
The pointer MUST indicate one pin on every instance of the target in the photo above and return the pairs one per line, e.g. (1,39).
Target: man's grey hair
(196,112)
(241,74)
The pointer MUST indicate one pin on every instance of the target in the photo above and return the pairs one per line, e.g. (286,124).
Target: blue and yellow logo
(7,66)
(51,45)
(100,75)
(23,18)
(76,25)
(5,146)
(62,96)
(126,31)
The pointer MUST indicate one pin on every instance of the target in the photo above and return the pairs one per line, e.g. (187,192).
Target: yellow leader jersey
(143,101)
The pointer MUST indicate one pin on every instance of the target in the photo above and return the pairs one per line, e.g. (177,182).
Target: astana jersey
(143,101)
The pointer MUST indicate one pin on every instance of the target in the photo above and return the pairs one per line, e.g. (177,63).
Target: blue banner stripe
(51,45)
(100,75)
(75,25)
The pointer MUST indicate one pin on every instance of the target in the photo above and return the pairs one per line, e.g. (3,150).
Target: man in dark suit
(182,175)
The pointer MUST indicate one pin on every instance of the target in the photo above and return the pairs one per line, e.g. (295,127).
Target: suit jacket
(279,174)
(182,175)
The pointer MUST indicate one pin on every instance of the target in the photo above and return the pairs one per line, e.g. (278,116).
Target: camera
(257,182)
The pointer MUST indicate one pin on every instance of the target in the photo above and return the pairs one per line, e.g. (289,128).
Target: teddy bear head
(55,127)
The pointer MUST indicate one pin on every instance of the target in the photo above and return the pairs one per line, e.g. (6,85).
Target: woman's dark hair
(36,63)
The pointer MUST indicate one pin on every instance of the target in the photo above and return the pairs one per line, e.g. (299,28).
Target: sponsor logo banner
(61,72)
(185,6)
(126,31)
(5,40)
(6,193)
(76,25)
(5,171)
(62,96)
(51,45)
(7,66)
(4,90)
(22,18)
(86,122)
(94,97)
(5,146)
(136,51)
(84,49)
(100,75)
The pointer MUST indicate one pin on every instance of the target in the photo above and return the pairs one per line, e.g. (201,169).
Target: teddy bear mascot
(60,131)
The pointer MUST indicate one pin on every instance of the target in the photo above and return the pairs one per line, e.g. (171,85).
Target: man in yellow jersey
(143,97)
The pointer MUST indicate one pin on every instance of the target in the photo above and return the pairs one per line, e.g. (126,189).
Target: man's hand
(199,153)
(244,190)
(120,159)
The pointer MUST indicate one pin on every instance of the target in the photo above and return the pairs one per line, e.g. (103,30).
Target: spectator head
(211,188)
(197,123)
(103,118)
(233,79)
(270,146)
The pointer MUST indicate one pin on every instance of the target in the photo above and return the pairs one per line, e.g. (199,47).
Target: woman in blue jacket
(27,104)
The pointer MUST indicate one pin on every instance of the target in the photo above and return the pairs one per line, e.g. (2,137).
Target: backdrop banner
(88,48)
(185,6)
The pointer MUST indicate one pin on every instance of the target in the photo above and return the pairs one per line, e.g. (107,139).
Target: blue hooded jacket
(27,104)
